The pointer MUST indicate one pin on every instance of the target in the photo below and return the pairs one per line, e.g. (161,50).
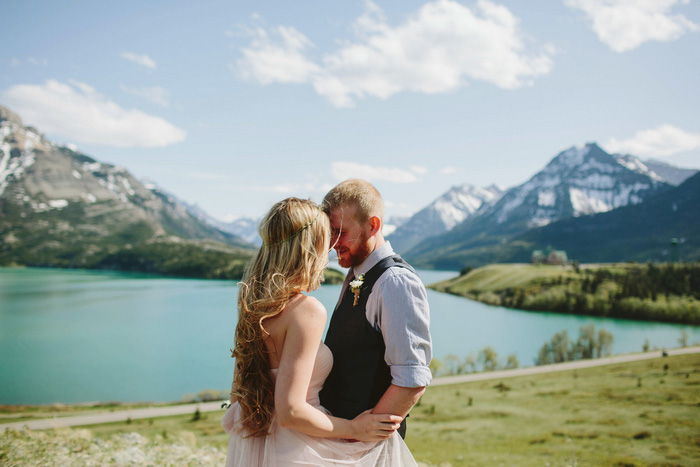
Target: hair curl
(296,237)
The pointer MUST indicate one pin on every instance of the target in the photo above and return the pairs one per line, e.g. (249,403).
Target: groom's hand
(375,427)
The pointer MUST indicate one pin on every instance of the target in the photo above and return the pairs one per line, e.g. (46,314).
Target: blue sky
(235,105)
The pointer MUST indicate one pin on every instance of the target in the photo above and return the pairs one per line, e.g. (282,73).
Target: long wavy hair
(294,254)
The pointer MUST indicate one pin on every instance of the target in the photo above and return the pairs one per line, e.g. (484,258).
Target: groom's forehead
(344,215)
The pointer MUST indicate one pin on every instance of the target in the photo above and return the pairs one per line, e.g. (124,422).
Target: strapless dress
(288,447)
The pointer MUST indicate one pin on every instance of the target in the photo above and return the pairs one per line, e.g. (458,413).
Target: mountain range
(442,215)
(62,208)
(666,227)
(579,183)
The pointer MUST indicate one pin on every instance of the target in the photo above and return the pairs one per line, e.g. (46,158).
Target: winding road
(165,411)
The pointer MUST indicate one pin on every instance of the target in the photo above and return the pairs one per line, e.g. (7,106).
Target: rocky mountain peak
(580,180)
(6,115)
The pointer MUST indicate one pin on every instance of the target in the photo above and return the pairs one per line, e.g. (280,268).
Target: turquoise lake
(82,336)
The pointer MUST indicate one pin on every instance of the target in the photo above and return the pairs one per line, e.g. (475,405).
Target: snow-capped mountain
(65,204)
(579,181)
(450,209)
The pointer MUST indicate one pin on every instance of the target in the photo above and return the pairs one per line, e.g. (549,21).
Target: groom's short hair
(360,193)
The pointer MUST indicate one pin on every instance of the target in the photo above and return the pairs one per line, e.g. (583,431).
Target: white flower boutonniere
(355,287)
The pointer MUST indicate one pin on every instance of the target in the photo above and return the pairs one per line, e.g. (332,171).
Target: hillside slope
(61,208)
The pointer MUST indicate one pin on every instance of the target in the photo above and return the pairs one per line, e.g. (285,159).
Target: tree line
(652,292)
(560,348)
(590,344)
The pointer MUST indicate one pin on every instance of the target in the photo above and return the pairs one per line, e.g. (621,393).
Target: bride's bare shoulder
(304,307)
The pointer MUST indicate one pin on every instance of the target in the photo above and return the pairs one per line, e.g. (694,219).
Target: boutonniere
(355,287)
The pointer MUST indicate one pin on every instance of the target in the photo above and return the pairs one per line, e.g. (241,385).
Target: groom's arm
(398,400)
(403,317)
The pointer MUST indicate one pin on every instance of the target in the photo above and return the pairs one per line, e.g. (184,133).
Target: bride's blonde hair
(294,254)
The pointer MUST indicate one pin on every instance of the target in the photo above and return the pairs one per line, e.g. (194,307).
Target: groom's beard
(355,256)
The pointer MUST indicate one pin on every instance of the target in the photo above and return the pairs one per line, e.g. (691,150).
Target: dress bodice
(322,367)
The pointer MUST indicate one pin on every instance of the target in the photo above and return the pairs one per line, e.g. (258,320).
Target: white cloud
(666,140)
(38,61)
(448,170)
(420,170)
(440,48)
(78,112)
(624,25)
(281,61)
(345,170)
(14,61)
(143,60)
(156,94)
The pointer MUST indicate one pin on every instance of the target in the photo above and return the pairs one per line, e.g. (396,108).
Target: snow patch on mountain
(546,198)
(12,167)
(517,198)
(588,202)
(658,169)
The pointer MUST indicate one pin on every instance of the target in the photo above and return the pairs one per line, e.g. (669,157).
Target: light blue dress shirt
(398,308)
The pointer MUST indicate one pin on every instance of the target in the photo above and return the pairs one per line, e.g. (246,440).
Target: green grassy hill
(665,292)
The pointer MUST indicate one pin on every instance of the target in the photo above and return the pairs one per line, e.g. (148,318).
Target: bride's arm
(303,335)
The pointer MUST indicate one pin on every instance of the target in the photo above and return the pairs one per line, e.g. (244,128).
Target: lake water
(79,336)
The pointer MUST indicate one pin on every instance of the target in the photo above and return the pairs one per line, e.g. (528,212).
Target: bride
(276,418)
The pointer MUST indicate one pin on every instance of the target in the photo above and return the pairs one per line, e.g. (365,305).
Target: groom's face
(349,237)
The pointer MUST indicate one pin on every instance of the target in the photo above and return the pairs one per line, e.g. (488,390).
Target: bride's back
(278,325)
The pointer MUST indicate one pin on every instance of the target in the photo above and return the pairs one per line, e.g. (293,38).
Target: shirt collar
(373,258)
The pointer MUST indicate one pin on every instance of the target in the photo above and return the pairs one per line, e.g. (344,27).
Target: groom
(379,333)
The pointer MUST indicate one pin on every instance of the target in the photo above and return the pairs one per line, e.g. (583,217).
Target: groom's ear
(375,225)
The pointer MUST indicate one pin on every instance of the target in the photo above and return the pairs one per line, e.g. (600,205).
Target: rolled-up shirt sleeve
(399,309)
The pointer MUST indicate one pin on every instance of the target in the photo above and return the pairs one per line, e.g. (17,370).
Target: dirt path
(153,412)
(535,370)
(108,417)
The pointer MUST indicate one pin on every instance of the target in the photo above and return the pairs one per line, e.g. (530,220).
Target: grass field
(633,414)
(495,277)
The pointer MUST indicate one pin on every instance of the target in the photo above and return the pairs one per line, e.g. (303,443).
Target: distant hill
(670,173)
(62,208)
(577,182)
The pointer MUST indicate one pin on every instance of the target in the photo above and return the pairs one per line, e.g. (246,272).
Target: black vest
(360,376)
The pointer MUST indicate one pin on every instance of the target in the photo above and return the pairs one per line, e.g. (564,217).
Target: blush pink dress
(287,447)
